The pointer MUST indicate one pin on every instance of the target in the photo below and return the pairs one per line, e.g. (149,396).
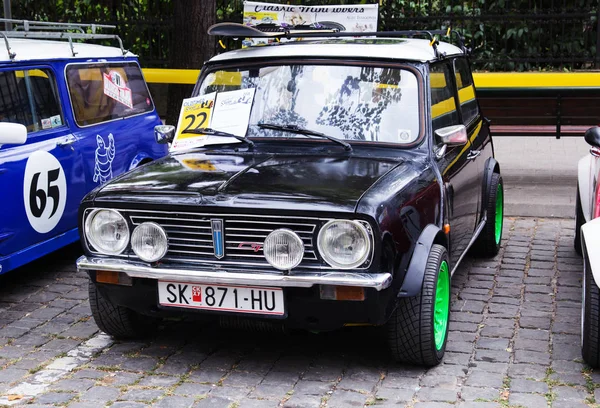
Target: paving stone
(527,400)
(437,394)
(535,357)
(342,398)
(174,402)
(570,393)
(492,343)
(99,393)
(142,395)
(469,393)
(193,389)
(480,378)
(534,371)
(158,381)
(303,401)
(394,396)
(55,398)
(492,356)
(524,385)
(78,385)
(9,375)
(242,379)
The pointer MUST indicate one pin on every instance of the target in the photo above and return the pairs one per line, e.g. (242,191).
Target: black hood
(252,180)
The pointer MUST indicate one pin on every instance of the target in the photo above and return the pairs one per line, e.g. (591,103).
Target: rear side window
(104,92)
(466,91)
(443,103)
(29,97)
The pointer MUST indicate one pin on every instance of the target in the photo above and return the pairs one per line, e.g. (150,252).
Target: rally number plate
(236,299)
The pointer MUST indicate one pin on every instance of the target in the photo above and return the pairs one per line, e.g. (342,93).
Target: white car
(587,237)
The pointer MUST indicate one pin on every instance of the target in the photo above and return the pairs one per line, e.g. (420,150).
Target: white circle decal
(44,191)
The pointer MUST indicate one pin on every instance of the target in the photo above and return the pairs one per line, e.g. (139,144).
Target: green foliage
(516,35)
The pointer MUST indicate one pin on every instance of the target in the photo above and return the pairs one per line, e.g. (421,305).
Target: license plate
(236,299)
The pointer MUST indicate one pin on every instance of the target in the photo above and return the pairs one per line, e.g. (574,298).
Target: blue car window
(107,91)
(30,97)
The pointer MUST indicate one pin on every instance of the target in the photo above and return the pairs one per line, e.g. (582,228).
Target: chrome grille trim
(190,236)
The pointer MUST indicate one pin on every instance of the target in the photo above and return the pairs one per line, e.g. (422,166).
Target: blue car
(73,115)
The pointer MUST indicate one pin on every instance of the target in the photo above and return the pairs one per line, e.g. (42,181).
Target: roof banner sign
(354,18)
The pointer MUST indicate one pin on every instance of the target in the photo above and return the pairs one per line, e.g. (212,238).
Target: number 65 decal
(44,191)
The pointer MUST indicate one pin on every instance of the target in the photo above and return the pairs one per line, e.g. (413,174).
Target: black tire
(579,221)
(486,244)
(590,325)
(410,330)
(118,321)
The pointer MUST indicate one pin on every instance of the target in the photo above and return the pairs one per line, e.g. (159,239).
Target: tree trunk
(190,46)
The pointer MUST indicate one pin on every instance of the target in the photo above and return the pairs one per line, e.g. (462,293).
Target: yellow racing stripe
(482,79)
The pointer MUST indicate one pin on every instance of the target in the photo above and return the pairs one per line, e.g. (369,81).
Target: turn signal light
(114,278)
(328,292)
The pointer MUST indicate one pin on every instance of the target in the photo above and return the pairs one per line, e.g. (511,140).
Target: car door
(42,180)
(114,115)
(459,172)
(478,128)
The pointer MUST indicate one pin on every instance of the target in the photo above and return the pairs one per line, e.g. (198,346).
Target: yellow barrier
(482,79)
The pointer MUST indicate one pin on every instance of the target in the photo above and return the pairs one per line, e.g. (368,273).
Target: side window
(30,97)
(107,91)
(443,103)
(466,91)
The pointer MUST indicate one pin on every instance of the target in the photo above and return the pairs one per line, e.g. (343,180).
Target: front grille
(191,240)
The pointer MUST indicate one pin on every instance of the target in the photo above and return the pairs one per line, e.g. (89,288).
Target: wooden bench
(554,112)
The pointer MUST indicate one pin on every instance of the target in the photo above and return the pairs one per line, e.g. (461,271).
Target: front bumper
(215,276)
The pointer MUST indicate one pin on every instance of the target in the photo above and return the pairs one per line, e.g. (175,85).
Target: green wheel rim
(499,213)
(442,305)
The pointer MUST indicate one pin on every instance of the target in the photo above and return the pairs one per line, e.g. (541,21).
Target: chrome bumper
(134,269)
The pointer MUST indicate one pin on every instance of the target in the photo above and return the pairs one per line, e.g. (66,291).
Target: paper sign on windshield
(232,111)
(225,111)
(195,114)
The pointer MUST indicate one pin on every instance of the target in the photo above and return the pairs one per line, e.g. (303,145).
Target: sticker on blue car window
(44,191)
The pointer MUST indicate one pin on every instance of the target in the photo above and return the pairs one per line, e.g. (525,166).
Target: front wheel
(418,329)
(590,318)
(488,241)
(118,321)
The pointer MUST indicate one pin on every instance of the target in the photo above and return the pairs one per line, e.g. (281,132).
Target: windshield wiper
(214,132)
(302,131)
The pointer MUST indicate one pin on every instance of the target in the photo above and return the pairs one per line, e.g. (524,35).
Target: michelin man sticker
(44,191)
(105,154)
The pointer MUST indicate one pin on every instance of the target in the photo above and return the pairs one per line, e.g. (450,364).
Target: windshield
(347,102)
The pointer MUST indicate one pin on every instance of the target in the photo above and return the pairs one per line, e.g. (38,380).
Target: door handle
(473,154)
(68,141)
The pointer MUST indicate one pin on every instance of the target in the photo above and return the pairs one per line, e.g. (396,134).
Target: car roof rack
(236,30)
(46,30)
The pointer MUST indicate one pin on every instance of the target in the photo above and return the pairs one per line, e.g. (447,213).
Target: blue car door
(115,115)
(42,181)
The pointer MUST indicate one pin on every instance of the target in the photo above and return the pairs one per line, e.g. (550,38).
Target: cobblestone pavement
(514,341)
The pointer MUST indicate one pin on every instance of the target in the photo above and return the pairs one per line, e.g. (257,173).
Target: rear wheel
(118,321)
(579,221)
(418,329)
(590,319)
(488,241)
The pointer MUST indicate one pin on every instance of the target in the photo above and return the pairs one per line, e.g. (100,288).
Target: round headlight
(344,244)
(149,242)
(283,249)
(107,231)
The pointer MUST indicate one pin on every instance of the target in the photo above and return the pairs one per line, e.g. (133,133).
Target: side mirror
(12,133)
(455,135)
(164,134)
(592,136)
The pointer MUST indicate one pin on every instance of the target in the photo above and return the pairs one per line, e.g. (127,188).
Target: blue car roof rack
(46,30)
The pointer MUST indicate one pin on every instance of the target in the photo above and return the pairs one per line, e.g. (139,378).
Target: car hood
(251,180)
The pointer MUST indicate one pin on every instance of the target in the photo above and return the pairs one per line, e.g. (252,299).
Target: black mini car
(317,184)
